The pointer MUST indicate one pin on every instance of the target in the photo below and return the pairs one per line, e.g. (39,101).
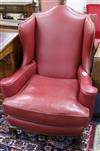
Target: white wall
(78,5)
(93,1)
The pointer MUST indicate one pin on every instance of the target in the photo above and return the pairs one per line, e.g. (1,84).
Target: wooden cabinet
(11,24)
(25,8)
(96,69)
(10,53)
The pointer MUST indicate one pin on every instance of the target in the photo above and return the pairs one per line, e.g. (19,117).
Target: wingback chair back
(57,54)
(59,38)
(52,92)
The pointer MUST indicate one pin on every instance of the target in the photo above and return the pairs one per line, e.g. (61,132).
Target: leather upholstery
(87,44)
(27,37)
(95,9)
(63,64)
(47,101)
(52,92)
(11,85)
(88,92)
(46,129)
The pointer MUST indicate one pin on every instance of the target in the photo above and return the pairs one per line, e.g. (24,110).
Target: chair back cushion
(95,9)
(59,39)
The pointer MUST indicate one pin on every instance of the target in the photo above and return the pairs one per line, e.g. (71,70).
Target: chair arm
(88,93)
(11,85)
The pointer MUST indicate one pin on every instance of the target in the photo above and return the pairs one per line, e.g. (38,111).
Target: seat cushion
(48,101)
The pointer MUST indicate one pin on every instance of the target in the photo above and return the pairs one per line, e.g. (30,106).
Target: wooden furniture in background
(9,24)
(25,8)
(96,79)
(96,69)
(10,53)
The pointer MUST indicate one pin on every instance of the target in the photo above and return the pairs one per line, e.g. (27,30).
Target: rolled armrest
(88,93)
(11,85)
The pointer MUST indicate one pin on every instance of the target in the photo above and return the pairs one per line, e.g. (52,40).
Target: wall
(78,5)
(93,1)
(47,4)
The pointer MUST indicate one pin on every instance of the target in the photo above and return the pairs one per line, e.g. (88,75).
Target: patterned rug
(15,139)
(97,139)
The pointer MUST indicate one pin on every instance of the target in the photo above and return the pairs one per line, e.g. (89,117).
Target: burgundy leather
(11,85)
(57,97)
(45,129)
(57,60)
(87,91)
(27,37)
(52,95)
(88,38)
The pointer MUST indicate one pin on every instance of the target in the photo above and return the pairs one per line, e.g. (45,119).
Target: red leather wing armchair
(52,92)
(95,9)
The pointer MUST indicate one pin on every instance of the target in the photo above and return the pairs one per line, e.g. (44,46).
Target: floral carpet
(15,139)
(97,139)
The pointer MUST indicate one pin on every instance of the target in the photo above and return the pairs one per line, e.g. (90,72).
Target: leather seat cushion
(48,101)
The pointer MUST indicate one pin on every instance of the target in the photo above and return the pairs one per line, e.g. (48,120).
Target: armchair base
(49,130)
